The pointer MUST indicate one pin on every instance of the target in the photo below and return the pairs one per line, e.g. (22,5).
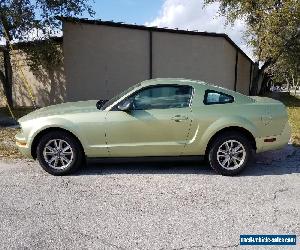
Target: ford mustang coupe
(160,117)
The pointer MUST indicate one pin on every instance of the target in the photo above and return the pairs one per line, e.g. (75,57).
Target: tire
(225,160)
(59,153)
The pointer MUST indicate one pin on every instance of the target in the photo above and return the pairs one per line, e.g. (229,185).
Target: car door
(157,123)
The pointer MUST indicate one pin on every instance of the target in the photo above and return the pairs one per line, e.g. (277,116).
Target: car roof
(184,81)
(194,83)
(179,81)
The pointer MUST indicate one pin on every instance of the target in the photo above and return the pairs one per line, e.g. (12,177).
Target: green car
(160,117)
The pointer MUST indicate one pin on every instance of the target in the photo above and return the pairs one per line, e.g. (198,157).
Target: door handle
(179,118)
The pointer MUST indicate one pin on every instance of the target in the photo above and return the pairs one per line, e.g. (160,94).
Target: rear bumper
(280,142)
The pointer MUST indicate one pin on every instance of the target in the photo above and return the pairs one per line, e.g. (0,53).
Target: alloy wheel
(58,154)
(231,154)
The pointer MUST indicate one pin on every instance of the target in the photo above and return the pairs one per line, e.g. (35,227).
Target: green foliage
(28,20)
(43,55)
(273,29)
(25,19)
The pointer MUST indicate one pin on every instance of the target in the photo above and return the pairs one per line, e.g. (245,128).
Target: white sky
(190,14)
(2,41)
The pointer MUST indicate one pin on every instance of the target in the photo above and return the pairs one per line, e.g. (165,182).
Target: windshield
(117,97)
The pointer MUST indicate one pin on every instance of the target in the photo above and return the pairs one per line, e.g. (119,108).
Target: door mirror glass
(125,105)
(100,103)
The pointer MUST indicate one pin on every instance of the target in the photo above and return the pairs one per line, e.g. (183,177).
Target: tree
(24,20)
(287,71)
(273,30)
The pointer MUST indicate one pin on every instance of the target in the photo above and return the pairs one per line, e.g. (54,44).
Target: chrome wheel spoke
(49,153)
(66,148)
(236,148)
(240,151)
(234,161)
(55,144)
(67,153)
(65,159)
(55,162)
(60,142)
(52,159)
(225,161)
(50,149)
(236,158)
(222,152)
(228,163)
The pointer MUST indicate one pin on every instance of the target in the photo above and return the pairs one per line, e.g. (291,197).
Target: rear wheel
(230,153)
(59,153)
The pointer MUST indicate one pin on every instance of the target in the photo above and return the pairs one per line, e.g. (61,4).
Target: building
(102,58)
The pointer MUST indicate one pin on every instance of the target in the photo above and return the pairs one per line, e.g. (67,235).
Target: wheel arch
(43,132)
(233,129)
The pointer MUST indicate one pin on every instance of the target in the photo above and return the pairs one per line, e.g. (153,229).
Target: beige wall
(196,57)
(243,74)
(101,61)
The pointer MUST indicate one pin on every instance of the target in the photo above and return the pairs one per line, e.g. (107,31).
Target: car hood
(62,109)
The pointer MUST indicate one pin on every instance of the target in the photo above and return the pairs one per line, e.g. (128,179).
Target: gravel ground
(148,205)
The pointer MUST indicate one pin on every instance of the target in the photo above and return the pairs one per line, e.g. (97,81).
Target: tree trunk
(258,76)
(288,84)
(7,83)
(6,77)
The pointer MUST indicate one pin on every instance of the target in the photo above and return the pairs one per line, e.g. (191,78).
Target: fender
(221,123)
(55,122)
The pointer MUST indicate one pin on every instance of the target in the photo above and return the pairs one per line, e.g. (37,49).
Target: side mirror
(125,106)
(100,103)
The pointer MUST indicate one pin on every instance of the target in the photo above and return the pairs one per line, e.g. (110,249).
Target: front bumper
(280,142)
(23,145)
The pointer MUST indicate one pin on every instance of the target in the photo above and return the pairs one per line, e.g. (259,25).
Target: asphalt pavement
(170,205)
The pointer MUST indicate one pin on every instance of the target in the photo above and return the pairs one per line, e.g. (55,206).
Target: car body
(160,117)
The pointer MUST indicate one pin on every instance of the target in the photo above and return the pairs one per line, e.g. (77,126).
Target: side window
(162,97)
(214,97)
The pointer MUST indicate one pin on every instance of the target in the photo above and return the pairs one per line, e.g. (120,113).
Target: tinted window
(117,97)
(214,97)
(162,97)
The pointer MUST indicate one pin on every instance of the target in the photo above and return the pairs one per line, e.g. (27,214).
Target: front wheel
(230,153)
(59,153)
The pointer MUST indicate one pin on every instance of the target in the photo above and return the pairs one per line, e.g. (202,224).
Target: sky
(182,14)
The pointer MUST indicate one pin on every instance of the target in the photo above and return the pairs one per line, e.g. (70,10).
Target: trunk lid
(265,100)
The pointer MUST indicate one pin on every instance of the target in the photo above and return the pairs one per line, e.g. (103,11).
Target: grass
(293,107)
(8,147)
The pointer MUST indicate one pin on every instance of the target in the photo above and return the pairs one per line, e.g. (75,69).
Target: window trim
(115,107)
(218,92)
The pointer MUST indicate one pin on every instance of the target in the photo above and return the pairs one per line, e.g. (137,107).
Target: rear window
(215,97)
